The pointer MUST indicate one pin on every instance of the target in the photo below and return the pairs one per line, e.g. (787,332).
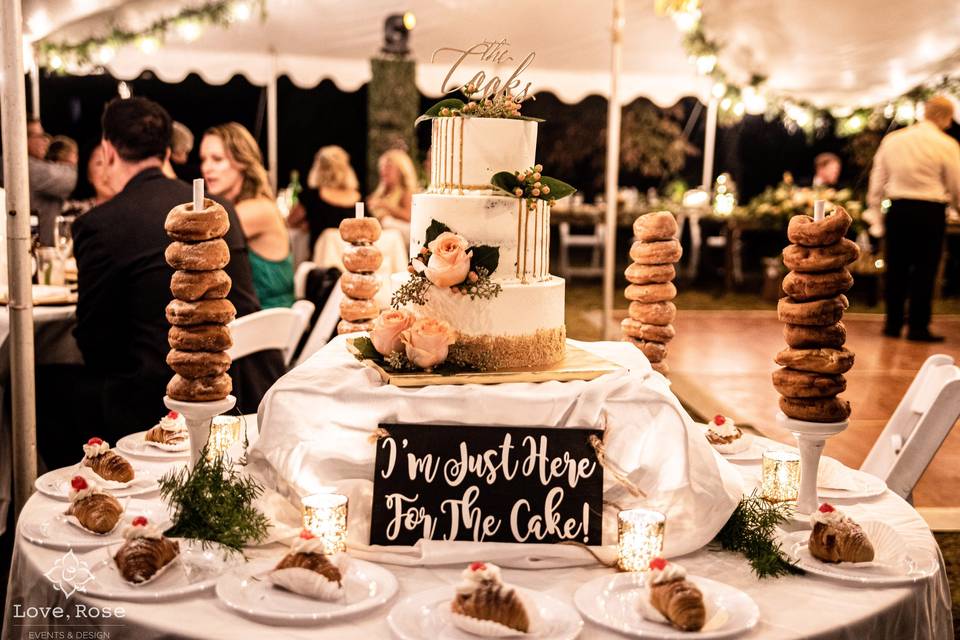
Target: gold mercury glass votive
(325,516)
(781,476)
(640,538)
(224,433)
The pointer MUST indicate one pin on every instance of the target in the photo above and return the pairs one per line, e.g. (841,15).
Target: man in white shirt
(918,170)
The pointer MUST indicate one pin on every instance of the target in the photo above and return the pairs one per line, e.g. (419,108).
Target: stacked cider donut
(815,360)
(360,284)
(200,312)
(651,289)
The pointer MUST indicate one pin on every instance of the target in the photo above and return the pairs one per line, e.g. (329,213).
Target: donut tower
(200,312)
(651,290)
(815,359)
(360,284)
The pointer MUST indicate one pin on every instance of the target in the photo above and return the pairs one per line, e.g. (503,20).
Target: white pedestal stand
(811,436)
(198,416)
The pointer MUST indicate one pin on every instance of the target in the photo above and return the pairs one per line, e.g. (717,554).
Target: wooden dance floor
(721,363)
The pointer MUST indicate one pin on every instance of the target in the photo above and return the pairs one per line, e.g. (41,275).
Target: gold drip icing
(462,121)
(520,206)
(451,130)
(433,154)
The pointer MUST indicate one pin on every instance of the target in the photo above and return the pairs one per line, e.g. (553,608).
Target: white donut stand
(198,416)
(811,437)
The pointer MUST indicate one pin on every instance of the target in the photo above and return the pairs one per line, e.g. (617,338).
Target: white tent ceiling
(850,53)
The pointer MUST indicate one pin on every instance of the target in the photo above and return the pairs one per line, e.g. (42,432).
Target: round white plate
(135,445)
(248,592)
(614,602)
(894,562)
(426,616)
(753,453)
(51,529)
(56,483)
(196,569)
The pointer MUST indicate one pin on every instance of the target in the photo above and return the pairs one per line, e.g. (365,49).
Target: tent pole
(709,144)
(35,90)
(272,124)
(613,167)
(13,119)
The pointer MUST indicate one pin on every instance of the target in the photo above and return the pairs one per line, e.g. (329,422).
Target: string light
(189,30)
(55,62)
(706,64)
(409,20)
(754,102)
(106,53)
(738,108)
(148,44)
(726,103)
(240,11)
(905,113)
(123,90)
(686,21)
(719,90)
(39,23)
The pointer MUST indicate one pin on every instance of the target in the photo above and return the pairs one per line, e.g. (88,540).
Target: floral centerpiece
(776,205)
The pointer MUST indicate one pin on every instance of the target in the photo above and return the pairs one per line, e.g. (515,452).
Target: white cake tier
(522,235)
(466,152)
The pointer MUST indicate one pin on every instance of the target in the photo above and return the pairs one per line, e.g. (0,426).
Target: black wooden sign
(486,484)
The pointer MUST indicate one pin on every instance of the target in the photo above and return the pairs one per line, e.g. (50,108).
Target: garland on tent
(752,98)
(188,24)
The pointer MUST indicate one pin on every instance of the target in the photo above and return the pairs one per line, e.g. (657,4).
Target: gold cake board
(577,364)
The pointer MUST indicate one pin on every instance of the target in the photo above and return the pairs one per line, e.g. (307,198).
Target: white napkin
(832,474)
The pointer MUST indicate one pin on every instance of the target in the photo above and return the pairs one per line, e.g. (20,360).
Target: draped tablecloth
(316,424)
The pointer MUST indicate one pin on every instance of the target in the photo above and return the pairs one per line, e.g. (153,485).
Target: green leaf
(486,257)
(434,230)
(558,188)
(505,181)
(531,119)
(434,111)
(365,346)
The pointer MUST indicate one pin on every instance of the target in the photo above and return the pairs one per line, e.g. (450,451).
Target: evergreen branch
(751,531)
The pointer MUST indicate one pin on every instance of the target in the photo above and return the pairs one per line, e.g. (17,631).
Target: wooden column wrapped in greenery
(393,103)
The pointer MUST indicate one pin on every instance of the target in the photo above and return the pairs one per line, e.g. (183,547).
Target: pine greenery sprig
(213,502)
(751,530)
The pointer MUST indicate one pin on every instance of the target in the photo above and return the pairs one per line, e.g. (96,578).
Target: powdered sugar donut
(658,225)
(359,286)
(661,292)
(353,310)
(660,252)
(360,230)
(362,258)
(653,312)
(650,273)
(198,256)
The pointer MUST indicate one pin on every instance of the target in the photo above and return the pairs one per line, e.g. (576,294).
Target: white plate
(56,483)
(246,591)
(895,562)
(863,485)
(613,602)
(196,569)
(50,528)
(135,445)
(426,616)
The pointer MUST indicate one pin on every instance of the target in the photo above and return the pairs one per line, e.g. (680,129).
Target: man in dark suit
(124,287)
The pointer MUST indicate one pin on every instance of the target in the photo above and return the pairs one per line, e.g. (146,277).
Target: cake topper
(481,88)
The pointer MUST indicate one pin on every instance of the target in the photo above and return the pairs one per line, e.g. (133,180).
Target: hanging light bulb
(889,111)
(753,102)
(148,44)
(686,21)
(123,90)
(189,30)
(726,103)
(855,123)
(706,64)
(905,113)
(106,53)
(719,90)
(409,20)
(55,62)
(240,11)
(738,108)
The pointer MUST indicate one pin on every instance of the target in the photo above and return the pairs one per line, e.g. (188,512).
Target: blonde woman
(232,168)
(331,193)
(392,199)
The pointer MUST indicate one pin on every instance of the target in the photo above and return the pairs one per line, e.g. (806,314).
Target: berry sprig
(530,185)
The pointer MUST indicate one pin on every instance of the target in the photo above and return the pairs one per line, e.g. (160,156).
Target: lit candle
(781,476)
(819,209)
(325,516)
(358,210)
(640,538)
(224,433)
(198,194)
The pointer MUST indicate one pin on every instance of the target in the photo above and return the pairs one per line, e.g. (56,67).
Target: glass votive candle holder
(224,433)
(781,476)
(640,538)
(325,516)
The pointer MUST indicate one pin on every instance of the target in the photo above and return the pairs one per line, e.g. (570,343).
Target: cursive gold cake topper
(497,52)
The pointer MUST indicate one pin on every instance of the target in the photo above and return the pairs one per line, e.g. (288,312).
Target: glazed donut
(360,230)
(660,252)
(799,336)
(661,313)
(816,312)
(345,326)
(198,364)
(661,367)
(804,384)
(813,286)
(815,259)
(185,314)
(359,286)
(816,360)
(362,258)
(807,232)
(200,285)
(654,332)
(651,292)
(200,337)
(650,273)
(199,256)
(353,310)
(815,409)
(658,225)
(199,389)
(655,351)
(183,223)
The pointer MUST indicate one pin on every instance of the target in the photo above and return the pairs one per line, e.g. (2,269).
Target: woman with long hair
(331,193)
(391,201)
(232,168)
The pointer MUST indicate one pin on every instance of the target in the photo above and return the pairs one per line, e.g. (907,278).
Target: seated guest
(63,149)
(331,193)
(97,177)
(181,144)
(233,169)
(827,167)
(392,200)
(124,288)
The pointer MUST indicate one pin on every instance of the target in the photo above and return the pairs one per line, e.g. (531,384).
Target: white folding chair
(300,279)
(918,427)
(270,329)
(326,324)
(595,241)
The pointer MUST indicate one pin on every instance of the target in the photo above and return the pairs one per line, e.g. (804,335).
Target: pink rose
(387,328)
(449,263)
(427,342)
